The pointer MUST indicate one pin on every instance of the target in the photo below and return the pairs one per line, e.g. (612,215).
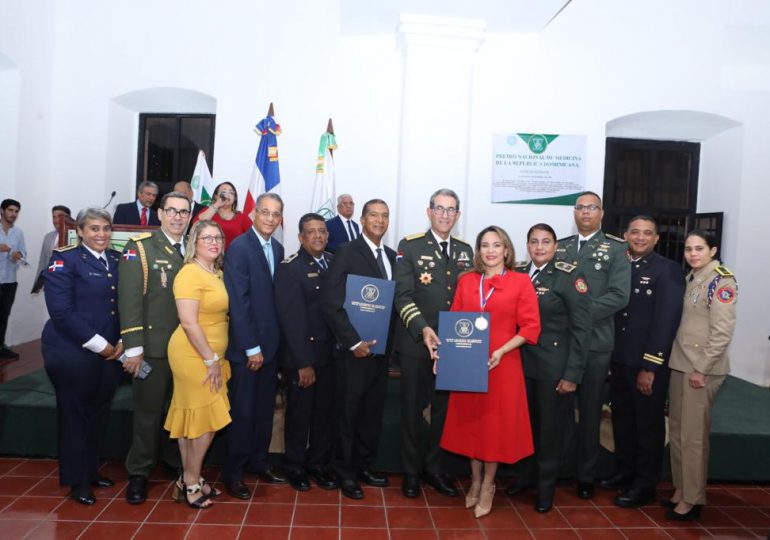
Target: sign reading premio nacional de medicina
(531,168)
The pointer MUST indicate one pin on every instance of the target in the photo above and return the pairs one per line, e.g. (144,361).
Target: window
(169,145)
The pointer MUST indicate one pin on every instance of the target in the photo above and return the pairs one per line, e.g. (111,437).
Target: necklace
(204,267)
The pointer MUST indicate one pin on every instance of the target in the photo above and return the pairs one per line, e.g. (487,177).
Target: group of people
(205,324)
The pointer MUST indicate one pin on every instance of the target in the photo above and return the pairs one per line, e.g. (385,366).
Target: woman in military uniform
(81,345)
(699,364)
(554,366)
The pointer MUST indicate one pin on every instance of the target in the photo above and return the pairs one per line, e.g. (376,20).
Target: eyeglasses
(208,239)
(267,213)
(440,210)
(589,207)
(173,212)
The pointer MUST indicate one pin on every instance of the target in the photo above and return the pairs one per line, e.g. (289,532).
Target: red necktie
(143,221)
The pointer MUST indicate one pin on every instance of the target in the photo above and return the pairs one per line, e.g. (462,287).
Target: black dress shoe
(238,490)
(441,483)
(136,492)
(299,480)
(410,487)
(322,478)
(543,505)
(83,495)
(515,489)
(351,489)
(271,476)
(616,482)
(102,482)
(373,479)
(585,490)
(635,497)
(692,515)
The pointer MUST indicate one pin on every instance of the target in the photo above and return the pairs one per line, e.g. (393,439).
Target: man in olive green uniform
(603,260)
(148,317)
(427,268)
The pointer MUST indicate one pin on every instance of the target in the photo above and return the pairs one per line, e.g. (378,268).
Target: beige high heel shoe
(484,506)
(472,497)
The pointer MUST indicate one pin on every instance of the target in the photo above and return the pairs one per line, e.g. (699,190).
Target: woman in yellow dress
(199,404)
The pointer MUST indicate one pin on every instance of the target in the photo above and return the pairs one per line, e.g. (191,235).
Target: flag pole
(271,110)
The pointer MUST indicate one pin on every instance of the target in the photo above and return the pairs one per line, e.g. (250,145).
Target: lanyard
(482,299)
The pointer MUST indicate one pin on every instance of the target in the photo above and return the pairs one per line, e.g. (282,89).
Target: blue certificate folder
(369,303)
(464,351)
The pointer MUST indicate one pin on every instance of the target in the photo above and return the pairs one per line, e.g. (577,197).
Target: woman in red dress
(494,427)
(223,211)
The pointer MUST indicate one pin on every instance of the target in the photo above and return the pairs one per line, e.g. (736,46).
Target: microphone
(112,196)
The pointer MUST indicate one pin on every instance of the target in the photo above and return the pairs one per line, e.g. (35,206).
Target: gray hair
(92,212)
(146,184)
(447,193)
(175,195)
(339,198)
(269,195)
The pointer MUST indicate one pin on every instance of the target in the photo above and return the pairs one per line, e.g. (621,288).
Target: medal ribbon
(484,299)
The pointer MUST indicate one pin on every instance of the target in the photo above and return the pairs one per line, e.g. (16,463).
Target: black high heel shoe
(200,502)
(179,491)
(691,515)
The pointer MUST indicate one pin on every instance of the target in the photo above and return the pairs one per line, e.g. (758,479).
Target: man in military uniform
(427,268)
(602,259)
(307,361)
(148,317)
(644,333)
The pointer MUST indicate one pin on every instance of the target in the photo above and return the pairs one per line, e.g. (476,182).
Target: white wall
(598,60)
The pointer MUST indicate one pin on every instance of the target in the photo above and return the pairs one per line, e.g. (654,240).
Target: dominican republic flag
(57,265)
(129,255)
(201,182)
(324,196)
(265,176)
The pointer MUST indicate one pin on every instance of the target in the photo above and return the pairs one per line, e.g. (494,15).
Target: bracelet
(213,361)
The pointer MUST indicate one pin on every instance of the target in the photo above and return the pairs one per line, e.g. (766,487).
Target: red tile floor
(33,506)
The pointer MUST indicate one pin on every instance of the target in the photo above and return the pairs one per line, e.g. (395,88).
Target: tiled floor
(33,506)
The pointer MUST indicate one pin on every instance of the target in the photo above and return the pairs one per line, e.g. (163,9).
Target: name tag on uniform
(312,274)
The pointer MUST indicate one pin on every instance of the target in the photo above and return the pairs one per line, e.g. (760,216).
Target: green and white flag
(324,193)
(201,182)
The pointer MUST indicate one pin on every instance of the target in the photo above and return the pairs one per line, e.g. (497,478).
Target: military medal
(481,323)
(426,278)
(598,266)
(163,278)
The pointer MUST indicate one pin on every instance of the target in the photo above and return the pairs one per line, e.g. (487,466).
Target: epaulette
(141,236)
(521,265)
(613,237)
(724,271)
(290,258)
(66,248)
(560,240)
(460,240)
(414,236)
(564,266)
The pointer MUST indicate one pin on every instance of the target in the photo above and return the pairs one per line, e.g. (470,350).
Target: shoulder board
(565,238)
(414,236)
(290,258)
(460,240)
(520,265)
(141,236)
(564,266)
(724,271)
(66,248)
(613,237)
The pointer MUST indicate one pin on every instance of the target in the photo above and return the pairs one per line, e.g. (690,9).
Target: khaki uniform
(148,317)
(708,322)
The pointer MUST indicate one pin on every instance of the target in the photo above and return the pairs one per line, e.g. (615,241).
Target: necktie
(445,249)
(269,256)
(143,221)
(178,248)
(582,243)
(104,263)
(322,264)
(381,264)
(535,273)
(351,233)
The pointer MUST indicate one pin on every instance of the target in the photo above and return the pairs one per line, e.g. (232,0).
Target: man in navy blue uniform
(250,264)
(644,333)
(307,360)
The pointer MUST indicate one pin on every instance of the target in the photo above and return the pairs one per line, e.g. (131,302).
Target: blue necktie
(269,255)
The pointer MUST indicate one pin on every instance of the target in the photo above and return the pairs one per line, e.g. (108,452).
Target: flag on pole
(324,191)
(265,176)
(201,182)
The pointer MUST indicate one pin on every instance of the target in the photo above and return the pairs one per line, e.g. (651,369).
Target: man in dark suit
(361,376)
(342,228)
(307,362)
(601,259)
(644,334)
(140,211)
(250,263)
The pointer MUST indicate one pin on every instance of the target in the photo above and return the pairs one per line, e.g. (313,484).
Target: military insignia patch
(129,255)
(56,265)
(581,286)
(463,256)
(399,256)
(726,295)
(426,278)
(564,266)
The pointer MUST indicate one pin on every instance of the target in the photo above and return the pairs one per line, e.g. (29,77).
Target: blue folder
(369,303)
(464,352)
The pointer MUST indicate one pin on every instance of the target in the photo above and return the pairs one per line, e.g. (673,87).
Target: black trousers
(252,405)
(420,440)
(638,424)
(361,389)
(85,384)
(7,296)
(309,426)
(590,398)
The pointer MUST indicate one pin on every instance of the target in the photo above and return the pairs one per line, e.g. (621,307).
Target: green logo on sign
(537,144)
